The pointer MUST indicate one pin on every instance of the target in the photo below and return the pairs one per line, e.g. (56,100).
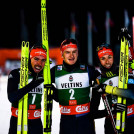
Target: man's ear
(61,55)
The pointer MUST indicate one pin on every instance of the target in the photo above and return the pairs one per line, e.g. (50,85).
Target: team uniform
(34,88)
(34,104)
(109,77)
(73,94)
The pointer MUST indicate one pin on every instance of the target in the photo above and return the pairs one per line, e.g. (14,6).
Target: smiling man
(109,75)
(38,58)
(73,82)
(105,56)
(34,88)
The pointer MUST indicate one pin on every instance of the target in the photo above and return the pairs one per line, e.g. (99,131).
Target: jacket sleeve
(13,91)
(55,90)
(93,74)
(94,106)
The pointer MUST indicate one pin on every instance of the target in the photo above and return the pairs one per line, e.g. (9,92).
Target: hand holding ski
(123,76)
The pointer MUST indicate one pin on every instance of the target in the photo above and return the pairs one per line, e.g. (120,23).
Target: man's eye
(36,59)
(67,52)
(109,57)
(74,52)
(44,60)
(102,58)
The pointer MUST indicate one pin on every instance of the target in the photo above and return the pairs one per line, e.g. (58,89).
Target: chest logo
(110,83)
(59,68)
(82,67)
(70,78)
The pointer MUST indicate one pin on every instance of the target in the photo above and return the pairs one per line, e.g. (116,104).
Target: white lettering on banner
(105,51)
(37,114)
(65,110)
(129,110)
(40,52)
(81,109)
(39,89)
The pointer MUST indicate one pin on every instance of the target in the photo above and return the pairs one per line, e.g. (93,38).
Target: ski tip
(27,44)
(23,43)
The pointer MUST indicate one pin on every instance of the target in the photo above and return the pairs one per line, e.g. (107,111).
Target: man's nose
(39,63)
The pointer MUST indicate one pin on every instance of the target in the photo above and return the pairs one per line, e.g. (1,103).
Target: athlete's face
(70,55)
(106,61)
(38,63)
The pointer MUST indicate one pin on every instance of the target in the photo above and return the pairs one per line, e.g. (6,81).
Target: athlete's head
(69,50)
(105,55)
(38,56)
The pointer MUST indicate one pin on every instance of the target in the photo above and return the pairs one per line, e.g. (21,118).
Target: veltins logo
(70,78)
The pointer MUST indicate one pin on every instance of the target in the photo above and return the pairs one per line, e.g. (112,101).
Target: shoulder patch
(82,67)
(59,68)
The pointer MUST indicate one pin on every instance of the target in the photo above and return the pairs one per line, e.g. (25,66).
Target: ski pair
(108,108)
(22,124)
(46,73)
(123,78)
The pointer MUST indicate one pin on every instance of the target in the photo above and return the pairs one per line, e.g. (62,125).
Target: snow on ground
(5,112)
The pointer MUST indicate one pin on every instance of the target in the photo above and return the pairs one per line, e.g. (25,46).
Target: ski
(22,123)
(104,97)
(46,73)
(133,31)
(105,100)
(123,79)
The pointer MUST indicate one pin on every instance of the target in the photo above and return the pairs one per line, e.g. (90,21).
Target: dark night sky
(58,15)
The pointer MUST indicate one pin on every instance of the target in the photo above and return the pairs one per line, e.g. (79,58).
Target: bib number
(71,91)
(33,100)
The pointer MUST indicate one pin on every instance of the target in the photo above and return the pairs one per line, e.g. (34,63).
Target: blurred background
(91,23)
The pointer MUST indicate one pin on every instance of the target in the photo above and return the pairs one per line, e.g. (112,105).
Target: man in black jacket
(73,81)
(34,88)
(109,76)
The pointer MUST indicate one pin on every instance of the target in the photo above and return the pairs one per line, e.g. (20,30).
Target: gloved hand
(16,96)
(36,82)
(118,107)
(124,32)
(100,88)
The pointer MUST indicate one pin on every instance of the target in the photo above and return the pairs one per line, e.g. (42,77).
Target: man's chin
(107,67)
(71,63)
(37,71)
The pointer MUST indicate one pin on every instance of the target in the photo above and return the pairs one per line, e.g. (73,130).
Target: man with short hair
(34,88)
(73,81)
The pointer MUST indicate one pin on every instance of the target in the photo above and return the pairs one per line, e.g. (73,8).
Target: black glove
(36,82)
(100,88)
(118,107)
(124,32)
